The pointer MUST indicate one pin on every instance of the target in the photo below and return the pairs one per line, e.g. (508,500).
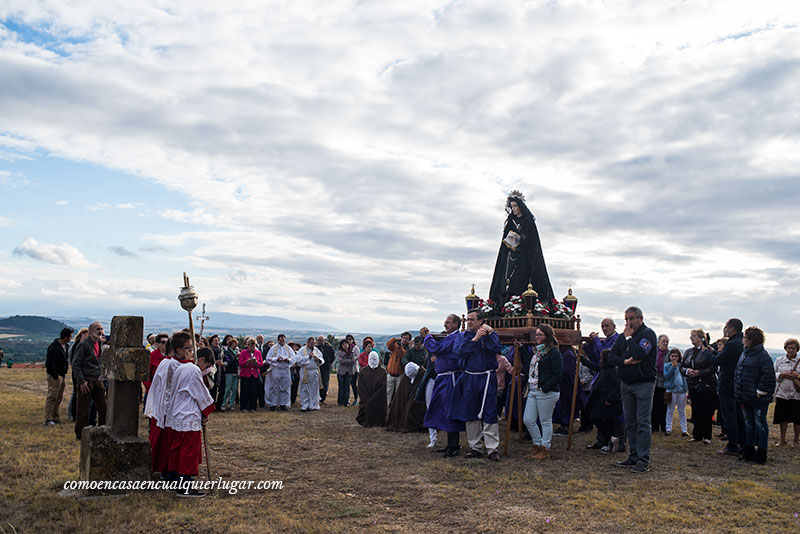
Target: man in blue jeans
(634,352)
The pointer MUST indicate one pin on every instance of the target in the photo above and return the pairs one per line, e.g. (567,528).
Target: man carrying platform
(448,371)
(475,393)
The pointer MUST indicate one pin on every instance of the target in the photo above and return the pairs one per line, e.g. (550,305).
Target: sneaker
(474,454)
(561,432)
(191,494)
(684,434)
(627,462)
(432,444)
(49,422)
(605,449)
(615,445)
(640,467)
(493,457)
(355,403)
(729,452)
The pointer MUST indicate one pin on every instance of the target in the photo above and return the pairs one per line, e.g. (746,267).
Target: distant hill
(30,325)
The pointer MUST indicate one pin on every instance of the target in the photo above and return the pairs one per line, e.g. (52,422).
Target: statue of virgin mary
(520,260)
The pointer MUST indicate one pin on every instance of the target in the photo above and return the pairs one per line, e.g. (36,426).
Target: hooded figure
(520,260)
(372,393)
(405,413)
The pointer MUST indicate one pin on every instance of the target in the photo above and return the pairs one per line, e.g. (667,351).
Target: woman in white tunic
(308,359)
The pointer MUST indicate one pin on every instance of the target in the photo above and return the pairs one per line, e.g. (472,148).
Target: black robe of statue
(405,413)
(371,397)
(517,268)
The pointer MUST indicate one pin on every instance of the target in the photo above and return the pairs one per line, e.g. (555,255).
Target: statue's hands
(424,331)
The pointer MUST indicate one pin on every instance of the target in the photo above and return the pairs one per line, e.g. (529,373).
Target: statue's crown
(517,193)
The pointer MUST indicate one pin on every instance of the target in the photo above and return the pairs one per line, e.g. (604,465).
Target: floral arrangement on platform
(515,307)
(559,310)
(489,307)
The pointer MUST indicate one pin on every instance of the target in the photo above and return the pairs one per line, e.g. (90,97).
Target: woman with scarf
(520,260)
(543,390)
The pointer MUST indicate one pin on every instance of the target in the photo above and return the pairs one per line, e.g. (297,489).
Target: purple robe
(595,347)
(564,404)
(447,373)
(475,391)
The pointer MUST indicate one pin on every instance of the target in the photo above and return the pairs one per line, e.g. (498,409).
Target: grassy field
(339,477)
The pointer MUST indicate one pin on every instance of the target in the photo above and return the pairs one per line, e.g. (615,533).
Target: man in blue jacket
(634,352)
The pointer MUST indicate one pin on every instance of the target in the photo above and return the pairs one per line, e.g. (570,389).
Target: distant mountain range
(171,320)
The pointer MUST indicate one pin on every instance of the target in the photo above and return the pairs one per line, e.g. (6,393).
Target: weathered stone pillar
(114,451)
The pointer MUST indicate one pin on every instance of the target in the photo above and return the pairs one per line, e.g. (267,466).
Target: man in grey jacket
(86,370)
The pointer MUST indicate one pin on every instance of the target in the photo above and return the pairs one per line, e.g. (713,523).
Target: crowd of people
(630,386)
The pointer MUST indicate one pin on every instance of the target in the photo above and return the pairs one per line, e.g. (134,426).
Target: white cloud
(62,254)
(62,203)
(366,149)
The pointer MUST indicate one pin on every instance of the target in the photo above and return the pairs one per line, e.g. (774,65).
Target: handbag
(667,397)
(796,381)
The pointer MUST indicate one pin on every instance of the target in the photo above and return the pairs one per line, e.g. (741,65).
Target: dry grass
(339,477)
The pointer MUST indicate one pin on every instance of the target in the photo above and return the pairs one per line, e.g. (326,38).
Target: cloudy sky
(347,162)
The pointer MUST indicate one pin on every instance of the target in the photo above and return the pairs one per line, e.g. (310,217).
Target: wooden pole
(205,443)
(511,399)
(575,386)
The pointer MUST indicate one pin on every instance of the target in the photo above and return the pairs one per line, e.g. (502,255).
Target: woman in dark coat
(520,260)
(701,377)
(372,407)
(753,387)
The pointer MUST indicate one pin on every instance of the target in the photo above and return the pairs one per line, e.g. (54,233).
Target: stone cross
(114,451)
(127,364)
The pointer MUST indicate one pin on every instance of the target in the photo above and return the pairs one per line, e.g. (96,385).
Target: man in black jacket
(56,366)
(634,352)
(325,369)
(86,370)
(727,359)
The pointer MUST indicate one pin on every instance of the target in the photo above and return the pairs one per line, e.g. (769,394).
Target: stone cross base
(106,456)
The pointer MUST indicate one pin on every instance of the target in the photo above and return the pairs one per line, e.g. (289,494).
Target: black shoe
(442,450)
(562,431)
(640,467)
(452,452)
(474,454)
(595,445)
(493,457)
(627,462)
(272,408)
(748,454)
(284,409)
(761,456)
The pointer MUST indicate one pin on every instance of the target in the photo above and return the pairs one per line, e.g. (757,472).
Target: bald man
(86,370)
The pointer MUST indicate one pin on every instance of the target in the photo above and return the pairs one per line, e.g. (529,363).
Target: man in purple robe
(475,393)
(593,349)
(447,372)
(563,407)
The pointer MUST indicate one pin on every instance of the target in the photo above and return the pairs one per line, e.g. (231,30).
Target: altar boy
(190,405)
